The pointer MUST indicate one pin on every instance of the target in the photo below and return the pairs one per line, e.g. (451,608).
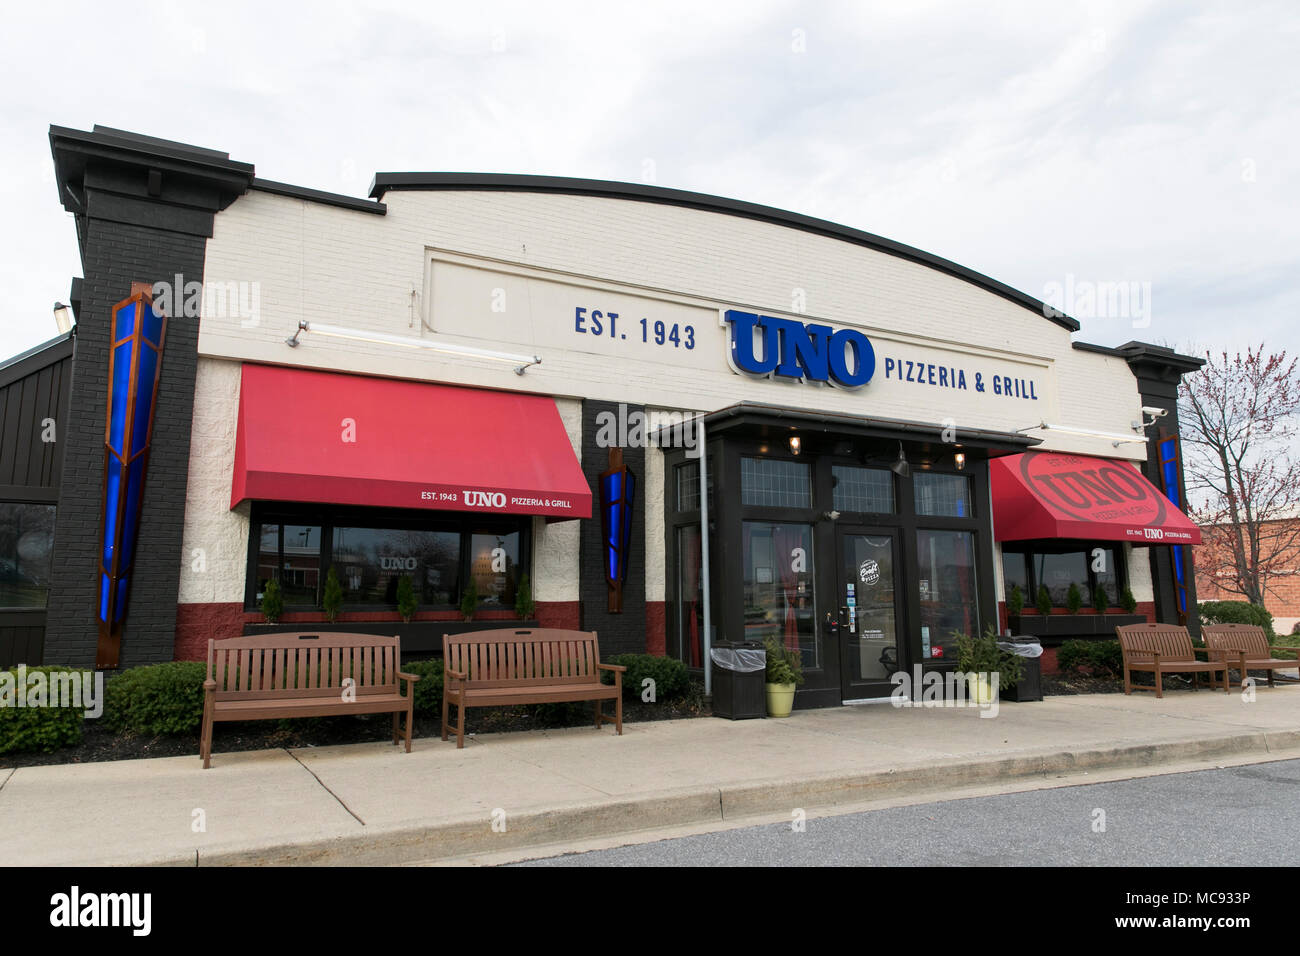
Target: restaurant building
(685,419)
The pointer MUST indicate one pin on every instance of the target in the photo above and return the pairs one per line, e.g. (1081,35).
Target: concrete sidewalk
(373,804)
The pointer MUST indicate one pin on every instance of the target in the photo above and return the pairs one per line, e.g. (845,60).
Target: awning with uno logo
(341,439)
(1043,494)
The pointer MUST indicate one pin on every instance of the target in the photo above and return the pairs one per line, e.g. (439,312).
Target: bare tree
(1238,421)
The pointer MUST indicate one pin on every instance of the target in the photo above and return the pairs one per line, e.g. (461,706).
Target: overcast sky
(1048,145)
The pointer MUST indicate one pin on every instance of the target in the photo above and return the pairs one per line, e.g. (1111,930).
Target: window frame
(328,517)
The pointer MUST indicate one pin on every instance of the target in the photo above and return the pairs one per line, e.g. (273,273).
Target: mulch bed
(98,742)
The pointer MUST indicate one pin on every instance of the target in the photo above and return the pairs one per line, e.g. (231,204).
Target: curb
(467,836)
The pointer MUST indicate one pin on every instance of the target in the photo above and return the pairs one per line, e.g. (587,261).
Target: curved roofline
(640,192)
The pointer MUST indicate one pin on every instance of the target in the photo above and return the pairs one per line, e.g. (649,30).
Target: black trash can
(1030,685)
(739,679)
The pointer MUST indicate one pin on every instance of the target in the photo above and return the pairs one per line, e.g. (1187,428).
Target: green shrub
(784,665)
(272,601)
(1236,612)
(1128,601)
(1099,599)
(1073,598)
(406,603)
(38,728)
(670,676)
(1101,658)
(980,654)
(428,689)
(525,607)
(1044,600)
(469,602)
(332,600)
(157,698)
(1015,601)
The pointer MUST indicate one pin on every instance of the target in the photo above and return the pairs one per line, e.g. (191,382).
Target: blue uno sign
(793,350)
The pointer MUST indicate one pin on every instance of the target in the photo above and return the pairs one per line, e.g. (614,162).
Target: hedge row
(40,727)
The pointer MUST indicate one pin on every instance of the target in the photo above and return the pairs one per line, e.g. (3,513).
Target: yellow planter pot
(980,689)
(780,699)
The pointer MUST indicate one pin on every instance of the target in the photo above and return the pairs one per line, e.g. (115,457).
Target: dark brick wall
(619,633)
(115,254)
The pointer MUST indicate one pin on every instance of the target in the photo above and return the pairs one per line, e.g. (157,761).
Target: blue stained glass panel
(144,398)
(120,397)
(104,587)
(119,608)
(131,513)
(125,324)
(153,325)
(114,484)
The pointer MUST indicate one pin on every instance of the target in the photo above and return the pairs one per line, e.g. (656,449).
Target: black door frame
(870,690)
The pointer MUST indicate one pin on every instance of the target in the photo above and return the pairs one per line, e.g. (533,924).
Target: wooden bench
(304,675)
(533,666)
(1247,645)
(1163,649)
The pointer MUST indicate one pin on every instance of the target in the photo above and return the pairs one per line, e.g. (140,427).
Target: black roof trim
(1145,352)
(320,196)
(36,358)
(639,192)
(890,427)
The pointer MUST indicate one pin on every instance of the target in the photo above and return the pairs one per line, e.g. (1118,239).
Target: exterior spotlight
(292,342)
(831,515)
(62,317)
(901,468)
(795,445)
(960,460)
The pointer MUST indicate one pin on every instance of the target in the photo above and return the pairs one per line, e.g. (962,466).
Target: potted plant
(1073,599)
(1099,600)
(1044,600)
(525,607)
(272,602)
(406,603)
(332,600)
(1015,601)
(784,673)
(979,657)
(469,601)
(1129,602)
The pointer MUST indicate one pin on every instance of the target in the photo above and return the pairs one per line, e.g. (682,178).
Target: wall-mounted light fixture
(795,445)
(900,467)
(1115,440)
(521,362)
(959,460)
(617,493)
(62,317)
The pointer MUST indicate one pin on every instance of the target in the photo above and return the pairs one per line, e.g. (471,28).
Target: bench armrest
(408,677)
(454,675)
(209,686)
(613,667)
(1273,649)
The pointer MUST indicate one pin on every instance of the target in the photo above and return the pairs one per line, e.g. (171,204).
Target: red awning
(353,440)
(1043,494)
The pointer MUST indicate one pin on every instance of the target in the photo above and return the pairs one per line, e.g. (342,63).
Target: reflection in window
(949,597)
(868,490)
(1015,573)
(1059,571)
(778,580)
(371,561)
(494,565)
(268,556)
(26,546)
(300,577)
(690,596)
(775,483)
(942,495)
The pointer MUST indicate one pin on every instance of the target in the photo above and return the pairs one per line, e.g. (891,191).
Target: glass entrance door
(869,603)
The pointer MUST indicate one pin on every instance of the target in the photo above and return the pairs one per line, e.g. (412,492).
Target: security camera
(1154,412)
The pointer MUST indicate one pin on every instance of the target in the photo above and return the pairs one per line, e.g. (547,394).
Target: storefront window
(778,577)
(948,592)
(688,487)
(690,596)
(494,564)
(942,495)
(1088,565)
(775,483)
(869,490)
(268,556)
(26,545)
(300,576)
(371,561)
